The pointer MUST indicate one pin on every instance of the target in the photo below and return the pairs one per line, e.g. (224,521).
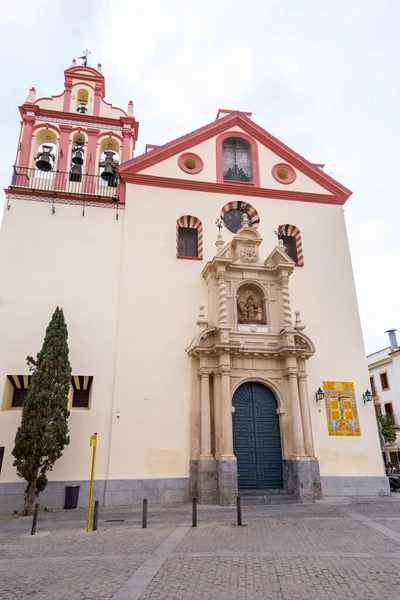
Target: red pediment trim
(237,189)
(132,167)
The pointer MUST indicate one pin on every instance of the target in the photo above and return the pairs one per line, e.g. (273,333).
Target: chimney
(392,338)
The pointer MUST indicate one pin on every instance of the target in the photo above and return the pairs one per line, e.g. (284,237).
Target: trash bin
(71,496)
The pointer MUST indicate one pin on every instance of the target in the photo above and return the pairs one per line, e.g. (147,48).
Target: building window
(1,456)
(237,164)
(384,381)
(20,384)
(189,238)
(389,410)
(283,173)
(190,163)
(232,215)
(291,238)
(378,410)
(187,242)
(373,388)
(81,390)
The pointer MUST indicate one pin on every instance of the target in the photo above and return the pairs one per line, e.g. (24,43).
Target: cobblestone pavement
(334,549)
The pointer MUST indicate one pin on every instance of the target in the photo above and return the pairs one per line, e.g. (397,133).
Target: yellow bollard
(93,444)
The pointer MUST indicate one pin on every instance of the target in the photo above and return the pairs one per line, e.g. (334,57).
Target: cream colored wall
(159,302)
(53,103)
(207,152)
(74,262)
(110,111)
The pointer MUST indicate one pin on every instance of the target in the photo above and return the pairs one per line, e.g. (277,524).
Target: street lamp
(367,396)
(319,395)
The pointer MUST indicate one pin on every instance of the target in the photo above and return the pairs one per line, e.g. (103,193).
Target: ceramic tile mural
(341,408)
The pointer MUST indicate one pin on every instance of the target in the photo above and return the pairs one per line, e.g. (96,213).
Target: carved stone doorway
(256,437)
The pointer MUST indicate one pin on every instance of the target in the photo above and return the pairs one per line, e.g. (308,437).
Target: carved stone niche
(245,246)
(250,308)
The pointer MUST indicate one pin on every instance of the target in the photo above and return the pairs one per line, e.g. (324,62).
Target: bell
(109,172)
(77,157)
(76,173)
(44,159)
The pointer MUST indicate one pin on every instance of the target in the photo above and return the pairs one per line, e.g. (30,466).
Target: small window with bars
(20,384)
(289,241)
(81,385)
(188,242)
(384,381)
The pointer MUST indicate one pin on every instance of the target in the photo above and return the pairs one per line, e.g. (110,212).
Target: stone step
(265,492)
(267,496)
(254,500)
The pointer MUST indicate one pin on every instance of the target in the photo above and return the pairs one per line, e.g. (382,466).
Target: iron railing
(69,183)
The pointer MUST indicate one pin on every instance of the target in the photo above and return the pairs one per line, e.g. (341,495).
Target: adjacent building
(214,332)
(384,376)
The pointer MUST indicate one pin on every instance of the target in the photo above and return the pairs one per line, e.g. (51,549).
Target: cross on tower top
(85,57)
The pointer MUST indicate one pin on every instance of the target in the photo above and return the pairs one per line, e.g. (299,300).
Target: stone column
(305,416)
(287,314)
(26,142)
(217,413)
(226,406)
(205,451)
(207,481)
(222,302)
(227,467)
(91,162)
(297,427)
(126,142)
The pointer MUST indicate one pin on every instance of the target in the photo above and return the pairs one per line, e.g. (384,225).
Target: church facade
(214,333)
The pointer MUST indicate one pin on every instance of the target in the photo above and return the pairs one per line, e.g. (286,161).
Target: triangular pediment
(161,166)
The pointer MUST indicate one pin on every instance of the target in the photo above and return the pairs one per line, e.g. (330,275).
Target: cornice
(228,188)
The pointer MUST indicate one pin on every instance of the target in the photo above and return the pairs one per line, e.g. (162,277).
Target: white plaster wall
(159,300)
(74,262)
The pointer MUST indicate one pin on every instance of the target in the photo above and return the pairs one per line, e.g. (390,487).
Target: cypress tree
(43,433)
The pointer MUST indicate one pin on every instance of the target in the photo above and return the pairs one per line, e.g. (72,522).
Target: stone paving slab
(78,542)
(320,535)
(89,580)
(252,578)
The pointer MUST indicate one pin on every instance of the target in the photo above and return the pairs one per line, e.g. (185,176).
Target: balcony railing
(69,183)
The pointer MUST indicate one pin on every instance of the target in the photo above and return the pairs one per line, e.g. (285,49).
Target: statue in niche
(250,308)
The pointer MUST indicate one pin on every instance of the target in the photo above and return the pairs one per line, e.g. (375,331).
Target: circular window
(232,215)
(190,163)
(283,173)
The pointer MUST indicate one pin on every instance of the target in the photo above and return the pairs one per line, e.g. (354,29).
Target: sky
(321,76)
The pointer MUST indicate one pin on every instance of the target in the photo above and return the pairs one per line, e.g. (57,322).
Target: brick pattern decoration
(246,207)
(193,223)
(294,231)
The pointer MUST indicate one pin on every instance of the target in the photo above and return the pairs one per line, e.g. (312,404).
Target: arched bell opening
(82,100)
(77,158)
(257,437)
(45,153)
(109,161)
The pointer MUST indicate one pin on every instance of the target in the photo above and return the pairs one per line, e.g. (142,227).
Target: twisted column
(222,302)
(287,314)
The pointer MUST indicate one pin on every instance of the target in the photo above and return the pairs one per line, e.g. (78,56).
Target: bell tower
(71,144)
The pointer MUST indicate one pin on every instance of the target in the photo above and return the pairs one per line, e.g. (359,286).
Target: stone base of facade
(207,481)
(355,486)
(227,482)
(302,478)
(114,492)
